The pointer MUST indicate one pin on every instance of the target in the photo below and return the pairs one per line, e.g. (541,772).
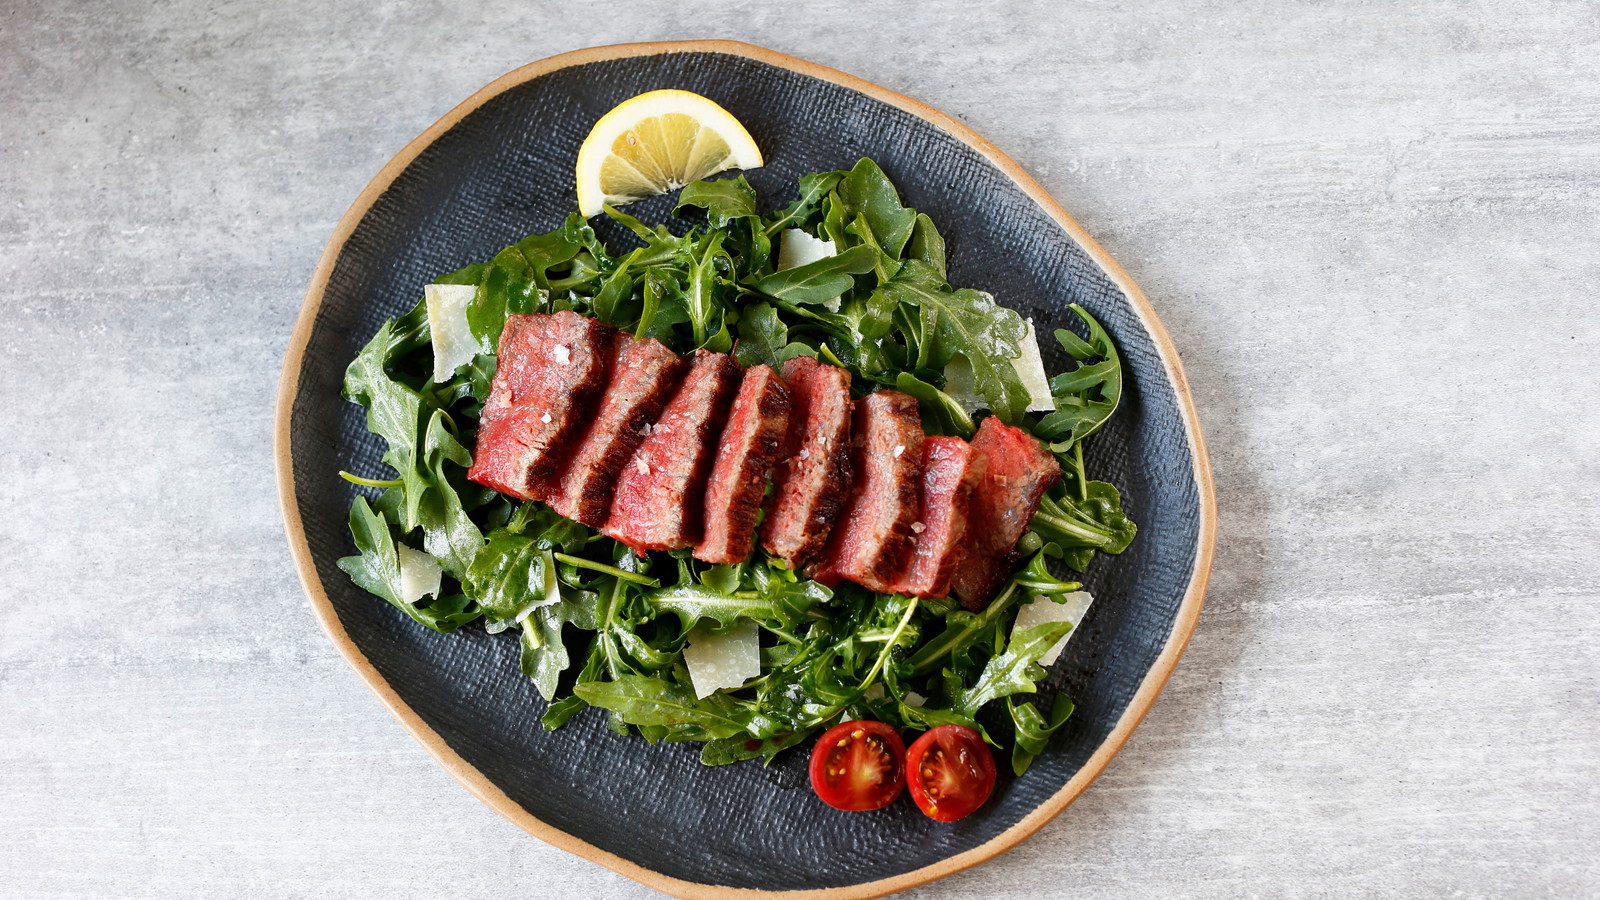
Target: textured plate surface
(500,167)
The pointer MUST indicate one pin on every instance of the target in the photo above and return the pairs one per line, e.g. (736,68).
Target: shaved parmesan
(453,344)
(960,385)
(1030,368)
(722,661)
(796,248)
(419,574)
(1043,610)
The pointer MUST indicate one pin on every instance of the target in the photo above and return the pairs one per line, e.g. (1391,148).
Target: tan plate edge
(475,781)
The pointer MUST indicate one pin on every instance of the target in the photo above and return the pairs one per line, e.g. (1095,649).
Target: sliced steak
(951,469)
(550,369)
(873,543)
(660,494)
(758,424)
(812,481)
(1020,470)
(642,378)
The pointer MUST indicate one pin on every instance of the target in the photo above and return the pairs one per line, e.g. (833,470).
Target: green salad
(602,627)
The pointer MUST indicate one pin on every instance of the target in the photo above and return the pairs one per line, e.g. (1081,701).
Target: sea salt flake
(918,527)
(545,418)
(563,355)
(899,449)
(805,453)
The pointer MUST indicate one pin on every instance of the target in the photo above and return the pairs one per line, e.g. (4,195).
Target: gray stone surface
(1370,227)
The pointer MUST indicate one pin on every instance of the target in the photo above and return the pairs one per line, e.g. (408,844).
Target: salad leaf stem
(371,482)
(613,571)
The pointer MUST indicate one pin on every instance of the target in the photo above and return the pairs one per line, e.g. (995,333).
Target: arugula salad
(600,626)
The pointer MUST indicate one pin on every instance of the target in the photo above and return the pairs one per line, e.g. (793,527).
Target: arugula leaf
(723,201)
(868,193)
(1087,396)
(928,245)
(962,629)
(820,281)
(377,570)
(644,700)
(941,414)
(1033,729)
(723,751)
(511,575)
(702,296)
(544,654)
(763,338)
(447,532)
(1089,517)
(394,411)
(968,322)
(782,605)
(614,291)
(804,210)
(1014,671)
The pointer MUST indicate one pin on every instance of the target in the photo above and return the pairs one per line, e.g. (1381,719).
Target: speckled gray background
(1371,229)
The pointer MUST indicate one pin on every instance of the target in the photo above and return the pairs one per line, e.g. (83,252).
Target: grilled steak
(642,378)
(951,469)
(661,492)
(1020,470)
(874,543)
(812,481)
(758,424)
(551,368)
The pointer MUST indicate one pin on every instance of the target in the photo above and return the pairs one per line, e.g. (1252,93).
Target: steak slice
(812,481)
(550,368)
(758,423)
(873,543)
(660,494)
(642,378)
(951,469)
(1020,470)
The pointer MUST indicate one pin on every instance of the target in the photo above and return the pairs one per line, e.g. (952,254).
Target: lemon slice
(658,142)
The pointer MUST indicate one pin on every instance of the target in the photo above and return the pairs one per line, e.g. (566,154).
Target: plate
(499,167)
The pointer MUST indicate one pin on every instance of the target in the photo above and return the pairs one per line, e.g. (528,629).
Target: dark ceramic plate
(499,167)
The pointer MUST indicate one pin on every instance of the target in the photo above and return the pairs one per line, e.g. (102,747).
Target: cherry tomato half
(950,772)
(859,766)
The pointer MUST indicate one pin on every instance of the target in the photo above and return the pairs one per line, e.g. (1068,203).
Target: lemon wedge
(658,142)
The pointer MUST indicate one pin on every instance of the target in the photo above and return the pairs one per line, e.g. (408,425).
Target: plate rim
(477,783)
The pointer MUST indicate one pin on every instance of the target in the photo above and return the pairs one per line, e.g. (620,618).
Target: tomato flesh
(950,772)
(858,766)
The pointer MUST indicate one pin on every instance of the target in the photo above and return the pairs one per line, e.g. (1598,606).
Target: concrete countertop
(1371,228)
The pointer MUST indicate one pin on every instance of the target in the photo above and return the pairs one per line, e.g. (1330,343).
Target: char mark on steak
(758,423)
(642,378)
(660,494)
(874,541)
(1020,470)
(812,479)
(550,370)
